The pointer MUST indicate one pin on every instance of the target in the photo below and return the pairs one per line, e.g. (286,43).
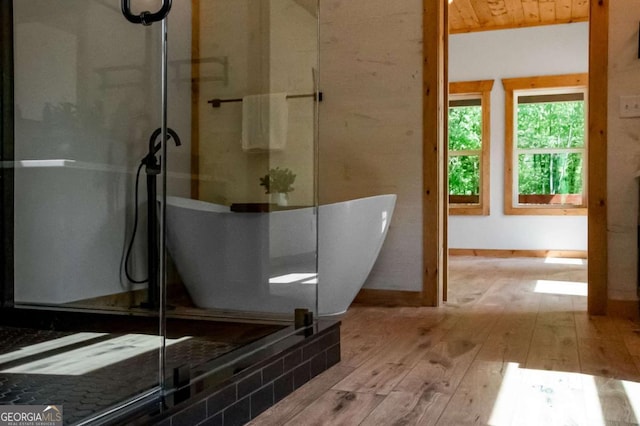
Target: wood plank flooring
(513,346)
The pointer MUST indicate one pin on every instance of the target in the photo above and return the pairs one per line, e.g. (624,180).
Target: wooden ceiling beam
(563,10)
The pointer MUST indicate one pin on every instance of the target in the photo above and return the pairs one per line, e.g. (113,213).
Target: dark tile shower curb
(259,381)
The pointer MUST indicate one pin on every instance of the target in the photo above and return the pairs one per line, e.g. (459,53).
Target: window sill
(465,210)
(545,211)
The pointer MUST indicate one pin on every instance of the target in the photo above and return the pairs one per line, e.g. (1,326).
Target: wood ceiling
(482,15)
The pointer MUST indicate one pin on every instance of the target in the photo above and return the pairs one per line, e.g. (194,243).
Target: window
(545,145)
(469,144)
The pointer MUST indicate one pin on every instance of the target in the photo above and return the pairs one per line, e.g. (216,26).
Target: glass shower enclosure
(158,194)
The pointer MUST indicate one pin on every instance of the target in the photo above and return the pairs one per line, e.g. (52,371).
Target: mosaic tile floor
(80,376)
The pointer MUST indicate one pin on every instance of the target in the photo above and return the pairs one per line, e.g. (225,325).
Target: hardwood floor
(505,350)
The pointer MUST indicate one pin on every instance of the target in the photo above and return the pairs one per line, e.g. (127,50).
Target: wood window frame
(482,90)
(511,85)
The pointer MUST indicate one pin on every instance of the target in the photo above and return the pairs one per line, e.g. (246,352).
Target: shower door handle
(145,18)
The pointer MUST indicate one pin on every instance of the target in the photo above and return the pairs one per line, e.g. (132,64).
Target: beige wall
(623,150)
(371,121)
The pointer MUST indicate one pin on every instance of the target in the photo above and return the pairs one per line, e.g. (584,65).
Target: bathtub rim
(201,205)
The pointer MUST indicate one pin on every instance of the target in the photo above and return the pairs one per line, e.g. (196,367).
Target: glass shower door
(87,115)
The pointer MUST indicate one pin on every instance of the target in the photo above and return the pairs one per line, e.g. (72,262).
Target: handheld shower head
(155,147)
(149,160)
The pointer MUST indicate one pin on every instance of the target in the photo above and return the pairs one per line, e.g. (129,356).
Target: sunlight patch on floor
(507,396)
(535,397)
(47,346)
(89,358)
(591,394)
(632,389)
(568,288)
(564,261)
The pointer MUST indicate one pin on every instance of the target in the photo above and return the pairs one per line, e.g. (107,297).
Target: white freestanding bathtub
(266,262)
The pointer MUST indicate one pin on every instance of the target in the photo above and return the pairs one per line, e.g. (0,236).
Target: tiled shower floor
(57,376)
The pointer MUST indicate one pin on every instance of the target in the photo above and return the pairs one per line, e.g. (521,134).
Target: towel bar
(216,103)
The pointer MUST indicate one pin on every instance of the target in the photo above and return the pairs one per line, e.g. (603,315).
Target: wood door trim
(434,197)
(597,157)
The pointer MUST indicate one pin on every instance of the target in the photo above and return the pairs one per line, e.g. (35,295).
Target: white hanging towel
(264,122)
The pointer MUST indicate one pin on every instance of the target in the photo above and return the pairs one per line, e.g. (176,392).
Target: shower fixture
(152,169)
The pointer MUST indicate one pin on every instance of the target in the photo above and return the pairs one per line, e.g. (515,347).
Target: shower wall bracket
(145,18)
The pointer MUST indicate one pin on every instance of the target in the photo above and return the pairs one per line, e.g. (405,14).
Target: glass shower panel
(241,205)
(241,221)
(86,105)
(88,97)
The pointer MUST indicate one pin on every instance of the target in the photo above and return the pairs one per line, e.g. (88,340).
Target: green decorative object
(278,181)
